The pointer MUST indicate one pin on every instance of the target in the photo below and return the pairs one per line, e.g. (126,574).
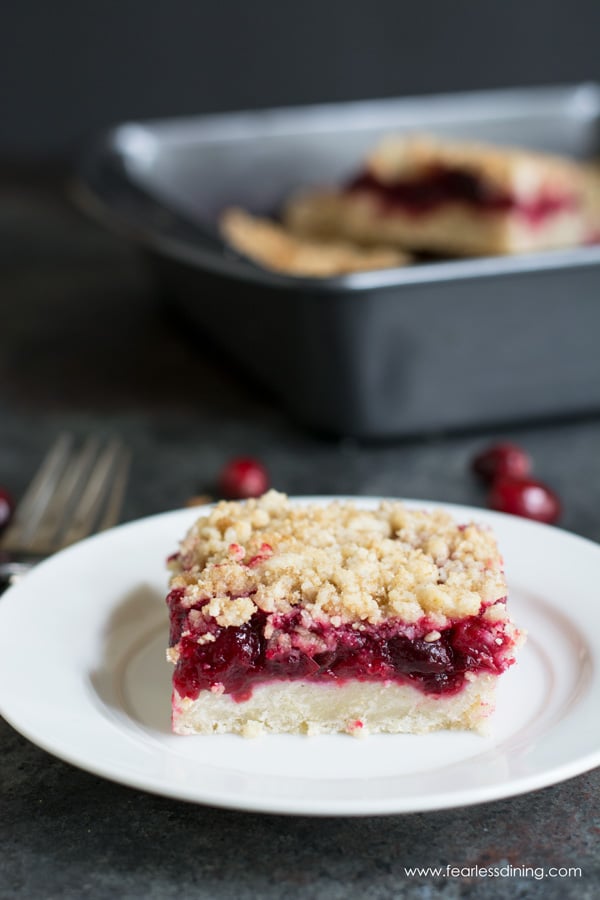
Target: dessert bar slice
(332,618)
(271,246)
(454,198)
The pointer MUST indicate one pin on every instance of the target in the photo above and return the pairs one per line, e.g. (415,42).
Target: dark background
(68,68)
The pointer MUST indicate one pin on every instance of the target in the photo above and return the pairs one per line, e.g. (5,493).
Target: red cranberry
(243,477)
(525,497)
(6,507)
(502,461)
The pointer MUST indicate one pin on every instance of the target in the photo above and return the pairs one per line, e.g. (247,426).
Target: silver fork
(77,491)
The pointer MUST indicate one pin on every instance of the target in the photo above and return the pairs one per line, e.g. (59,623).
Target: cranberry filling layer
(235,659)
(440,186)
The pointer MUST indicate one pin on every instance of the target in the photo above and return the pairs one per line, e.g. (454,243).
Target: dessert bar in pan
(331,618)
(455,198)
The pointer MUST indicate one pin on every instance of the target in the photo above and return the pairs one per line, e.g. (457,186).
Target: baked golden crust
(592,201)
(270,245)
(317,214)
(339,563)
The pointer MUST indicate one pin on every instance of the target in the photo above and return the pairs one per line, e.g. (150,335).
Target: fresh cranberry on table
(243,477)
(525,497)
(503,460)
(6,507)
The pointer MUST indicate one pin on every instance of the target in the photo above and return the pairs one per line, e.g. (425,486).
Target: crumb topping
(523,172)
(339,562)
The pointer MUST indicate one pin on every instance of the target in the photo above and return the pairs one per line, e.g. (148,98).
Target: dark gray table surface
(86,344)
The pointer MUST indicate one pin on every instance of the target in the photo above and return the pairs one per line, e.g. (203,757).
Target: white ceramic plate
(83,675)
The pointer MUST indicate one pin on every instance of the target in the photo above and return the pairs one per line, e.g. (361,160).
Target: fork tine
(38,495)
(94,495)
(67,491)
(112,509)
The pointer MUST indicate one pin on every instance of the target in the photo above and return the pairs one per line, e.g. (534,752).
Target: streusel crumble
(294,617)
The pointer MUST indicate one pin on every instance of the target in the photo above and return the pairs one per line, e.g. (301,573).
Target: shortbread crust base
(453,229)
(355,707)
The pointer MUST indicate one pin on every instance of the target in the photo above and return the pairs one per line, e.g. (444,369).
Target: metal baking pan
(435,346)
